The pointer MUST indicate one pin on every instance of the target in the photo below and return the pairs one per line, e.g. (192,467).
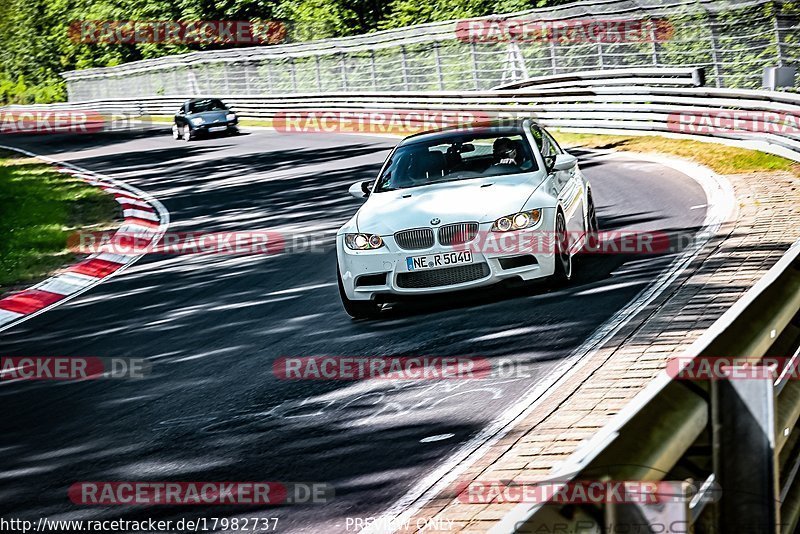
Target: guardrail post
(553,64)
(206,72)
(600,62)
(269,77)
(194,85)
(246,69)
(438,59)
(343,66)
(474,54)
(654,42)
(317,73)
(744,455)
(175,82)
(404,64)
(712,21)
(373,70)
(293,74)
(777,27)
(225,81)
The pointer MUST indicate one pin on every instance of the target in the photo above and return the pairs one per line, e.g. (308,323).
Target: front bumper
(217,128)
(521,257)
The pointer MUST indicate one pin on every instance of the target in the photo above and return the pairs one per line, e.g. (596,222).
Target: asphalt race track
(212,326)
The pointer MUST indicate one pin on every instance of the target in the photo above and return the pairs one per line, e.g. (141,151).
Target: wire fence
(734,40)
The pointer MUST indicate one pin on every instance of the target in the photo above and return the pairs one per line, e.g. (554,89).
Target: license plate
(436,261)
(217,128)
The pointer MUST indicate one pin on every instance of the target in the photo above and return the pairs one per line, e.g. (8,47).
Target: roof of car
(498,126)
(192,100)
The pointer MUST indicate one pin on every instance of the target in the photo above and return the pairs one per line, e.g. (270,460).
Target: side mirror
(360,189)
(565,162)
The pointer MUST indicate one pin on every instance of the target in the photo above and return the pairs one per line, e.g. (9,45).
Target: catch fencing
(733,40)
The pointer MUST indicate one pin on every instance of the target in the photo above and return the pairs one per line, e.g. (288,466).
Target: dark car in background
(204,116)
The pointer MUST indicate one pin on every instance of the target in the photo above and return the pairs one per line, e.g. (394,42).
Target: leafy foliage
(36,45)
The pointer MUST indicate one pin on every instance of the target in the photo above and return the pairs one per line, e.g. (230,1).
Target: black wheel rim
(563,247)
(593,229)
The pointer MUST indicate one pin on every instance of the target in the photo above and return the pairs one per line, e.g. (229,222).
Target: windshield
(206,105)
(459,157)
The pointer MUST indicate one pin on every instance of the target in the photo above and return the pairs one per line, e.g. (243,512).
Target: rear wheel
(176,133)
(357,309)
(563,258)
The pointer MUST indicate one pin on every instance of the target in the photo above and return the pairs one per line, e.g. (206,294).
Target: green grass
(722,159)
(39,209)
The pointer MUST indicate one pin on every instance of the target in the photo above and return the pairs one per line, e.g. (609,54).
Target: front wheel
(187,133)
(357,309)
(563,258)
(592,228)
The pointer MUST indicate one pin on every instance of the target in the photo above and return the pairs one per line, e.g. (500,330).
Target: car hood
(481,200)
(212,116)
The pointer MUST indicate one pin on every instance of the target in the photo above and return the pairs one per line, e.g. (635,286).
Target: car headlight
(517,221)
(197,121)
(230,116)
(363,241)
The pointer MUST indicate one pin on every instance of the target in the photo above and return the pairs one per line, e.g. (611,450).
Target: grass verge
(722,159)
(39,209)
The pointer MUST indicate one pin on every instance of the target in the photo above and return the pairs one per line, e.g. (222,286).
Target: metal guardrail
(734,40)
(646,102)
(736,443)
(687,77)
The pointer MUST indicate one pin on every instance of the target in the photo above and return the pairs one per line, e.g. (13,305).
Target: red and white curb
(143,215)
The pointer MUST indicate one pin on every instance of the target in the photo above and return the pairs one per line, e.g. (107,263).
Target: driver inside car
(504,151)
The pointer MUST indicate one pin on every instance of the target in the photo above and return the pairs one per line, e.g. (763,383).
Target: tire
(357,309)
(592,227)
(176,133)
(187,133)
(563,259)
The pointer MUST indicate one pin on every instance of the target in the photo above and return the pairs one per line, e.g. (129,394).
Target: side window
(554,147)
(537,136)
(547,146)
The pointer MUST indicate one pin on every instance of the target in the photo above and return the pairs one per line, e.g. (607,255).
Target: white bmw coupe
(460,208)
